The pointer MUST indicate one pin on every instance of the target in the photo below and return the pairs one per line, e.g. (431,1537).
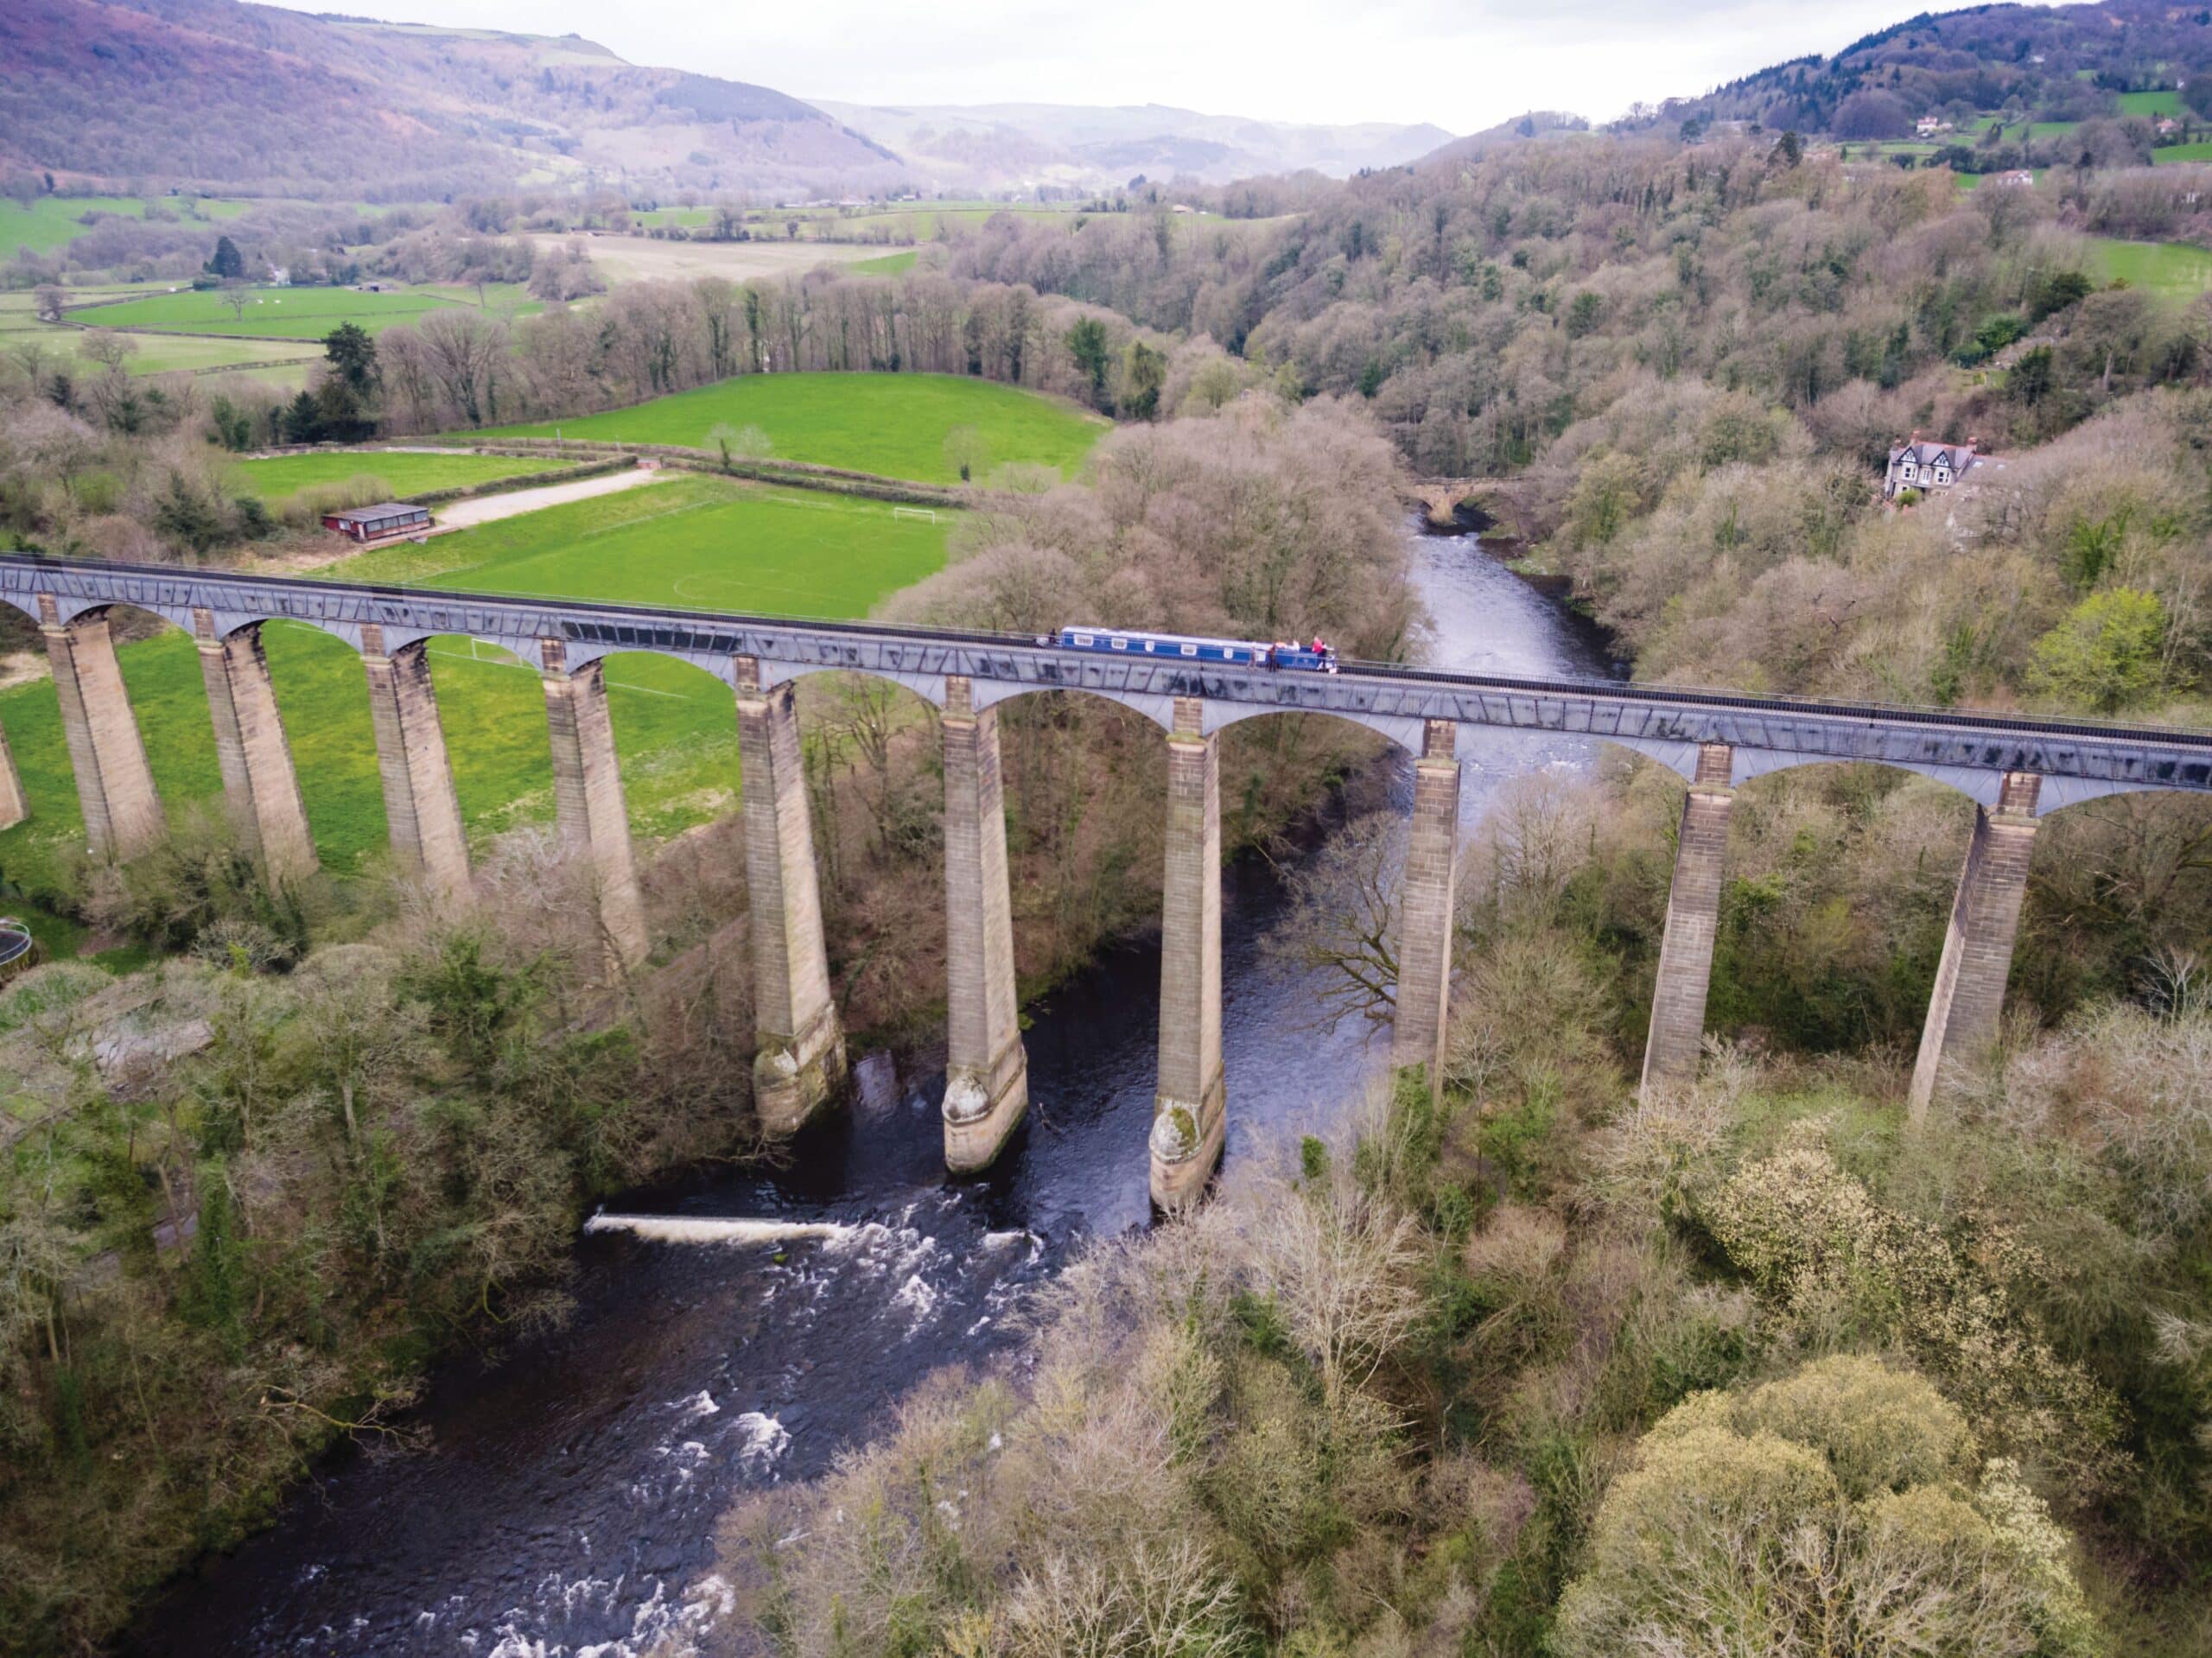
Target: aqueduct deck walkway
(2014,767)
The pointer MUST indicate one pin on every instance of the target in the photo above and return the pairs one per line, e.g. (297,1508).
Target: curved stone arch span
(1981,786)
(929,688)
(2062,794)
(1160,710)
(1404,731)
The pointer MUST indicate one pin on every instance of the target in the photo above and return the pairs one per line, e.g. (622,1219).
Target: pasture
(2170,270)
(299,314)
(699,541)
(50,222)
(894,425)
(278,479)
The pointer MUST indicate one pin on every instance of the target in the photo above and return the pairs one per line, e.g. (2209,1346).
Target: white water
(689,1228)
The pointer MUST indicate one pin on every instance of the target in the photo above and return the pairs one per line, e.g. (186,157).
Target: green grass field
(2168,269)
(288,313)
(894,425)
(52,221)
(890,264)
(279,478)
(2170,154)
(696,540)
(2151,105)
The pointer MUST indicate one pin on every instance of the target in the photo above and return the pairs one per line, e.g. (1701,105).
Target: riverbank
(568,1496)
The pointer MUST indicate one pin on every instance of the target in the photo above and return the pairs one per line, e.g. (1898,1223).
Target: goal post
(914,512)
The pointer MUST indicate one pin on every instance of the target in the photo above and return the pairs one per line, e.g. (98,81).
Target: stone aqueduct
(2014,769)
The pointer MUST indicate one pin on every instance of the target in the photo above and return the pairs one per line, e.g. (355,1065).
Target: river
(564,1503)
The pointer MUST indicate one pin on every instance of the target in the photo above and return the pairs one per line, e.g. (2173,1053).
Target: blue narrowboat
(1241,653)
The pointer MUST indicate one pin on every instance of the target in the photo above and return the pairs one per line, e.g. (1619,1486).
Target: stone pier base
(419,802)
(1965,1012)
(987,1069)
(800,1064)
(1190,1111)
(1677,1033)
(591,814)
(115,786)
(260,789)
(14,805)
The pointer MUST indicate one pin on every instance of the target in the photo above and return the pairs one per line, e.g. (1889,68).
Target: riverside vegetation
(1449,1385)
(250,1191)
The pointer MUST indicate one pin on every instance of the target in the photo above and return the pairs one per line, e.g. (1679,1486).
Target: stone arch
(1159,709)
(1402,731)
(1977,785)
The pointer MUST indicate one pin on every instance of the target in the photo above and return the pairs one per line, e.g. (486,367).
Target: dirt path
(462,515)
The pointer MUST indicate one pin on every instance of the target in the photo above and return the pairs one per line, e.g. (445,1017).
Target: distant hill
(250,97)
(1010,146)
(1533,124)
(2056,63)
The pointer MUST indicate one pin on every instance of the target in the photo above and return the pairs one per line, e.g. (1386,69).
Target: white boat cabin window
(1121,644)
(1082,638)
(1190,650)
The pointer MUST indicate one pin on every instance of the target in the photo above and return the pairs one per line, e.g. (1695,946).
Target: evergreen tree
(1088,345)
(227,262)
(353,353)
(303,419)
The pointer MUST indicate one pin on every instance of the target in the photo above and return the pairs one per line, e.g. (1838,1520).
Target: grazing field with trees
(385,475)
(695,542)
(930,428)
(287,313)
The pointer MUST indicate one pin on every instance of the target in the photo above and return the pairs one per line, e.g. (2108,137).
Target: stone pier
(1425,905)
(15,806)
(801,1059)
(1965,1011)
(986,1067)
(260,789)
(122,813)
(1671,1050)
(419,801)
(589,812)
(1190,1113)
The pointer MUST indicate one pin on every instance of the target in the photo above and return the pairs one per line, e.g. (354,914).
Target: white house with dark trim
(1926,466)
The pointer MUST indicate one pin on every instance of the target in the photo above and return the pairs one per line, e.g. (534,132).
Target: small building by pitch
(378,522)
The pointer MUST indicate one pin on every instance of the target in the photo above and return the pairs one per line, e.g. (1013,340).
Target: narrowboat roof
(1160,633)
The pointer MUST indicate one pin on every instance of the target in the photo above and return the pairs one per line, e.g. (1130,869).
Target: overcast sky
(1463,66)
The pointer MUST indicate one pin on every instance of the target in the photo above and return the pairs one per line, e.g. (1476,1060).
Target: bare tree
(235,294)
(1342,921)
(106,347)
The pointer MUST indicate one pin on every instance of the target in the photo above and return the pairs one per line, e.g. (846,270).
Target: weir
(2014,768)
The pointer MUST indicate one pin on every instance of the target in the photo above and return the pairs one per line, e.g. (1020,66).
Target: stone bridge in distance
(2015,769)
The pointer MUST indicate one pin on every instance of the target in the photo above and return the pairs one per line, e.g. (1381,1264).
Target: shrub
(1827,1512)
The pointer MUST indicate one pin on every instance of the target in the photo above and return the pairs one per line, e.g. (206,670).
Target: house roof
(375,514)
(1923,453)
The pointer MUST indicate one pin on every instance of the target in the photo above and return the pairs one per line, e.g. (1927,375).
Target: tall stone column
(1968,1002)
(986,1067)
(419,801)
(1670,1050)
(15,806)
(801,1059)
(1190,1112)
(1426,904)
(122,813)
(589,811)
(260,787)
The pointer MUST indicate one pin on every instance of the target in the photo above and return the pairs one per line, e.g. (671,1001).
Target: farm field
(643,258)
(2168,269)
(705,543)
(2151,105)
(2167,156)
(890,264)
(894,425)
(279,478)
(290,313)
(50,222)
